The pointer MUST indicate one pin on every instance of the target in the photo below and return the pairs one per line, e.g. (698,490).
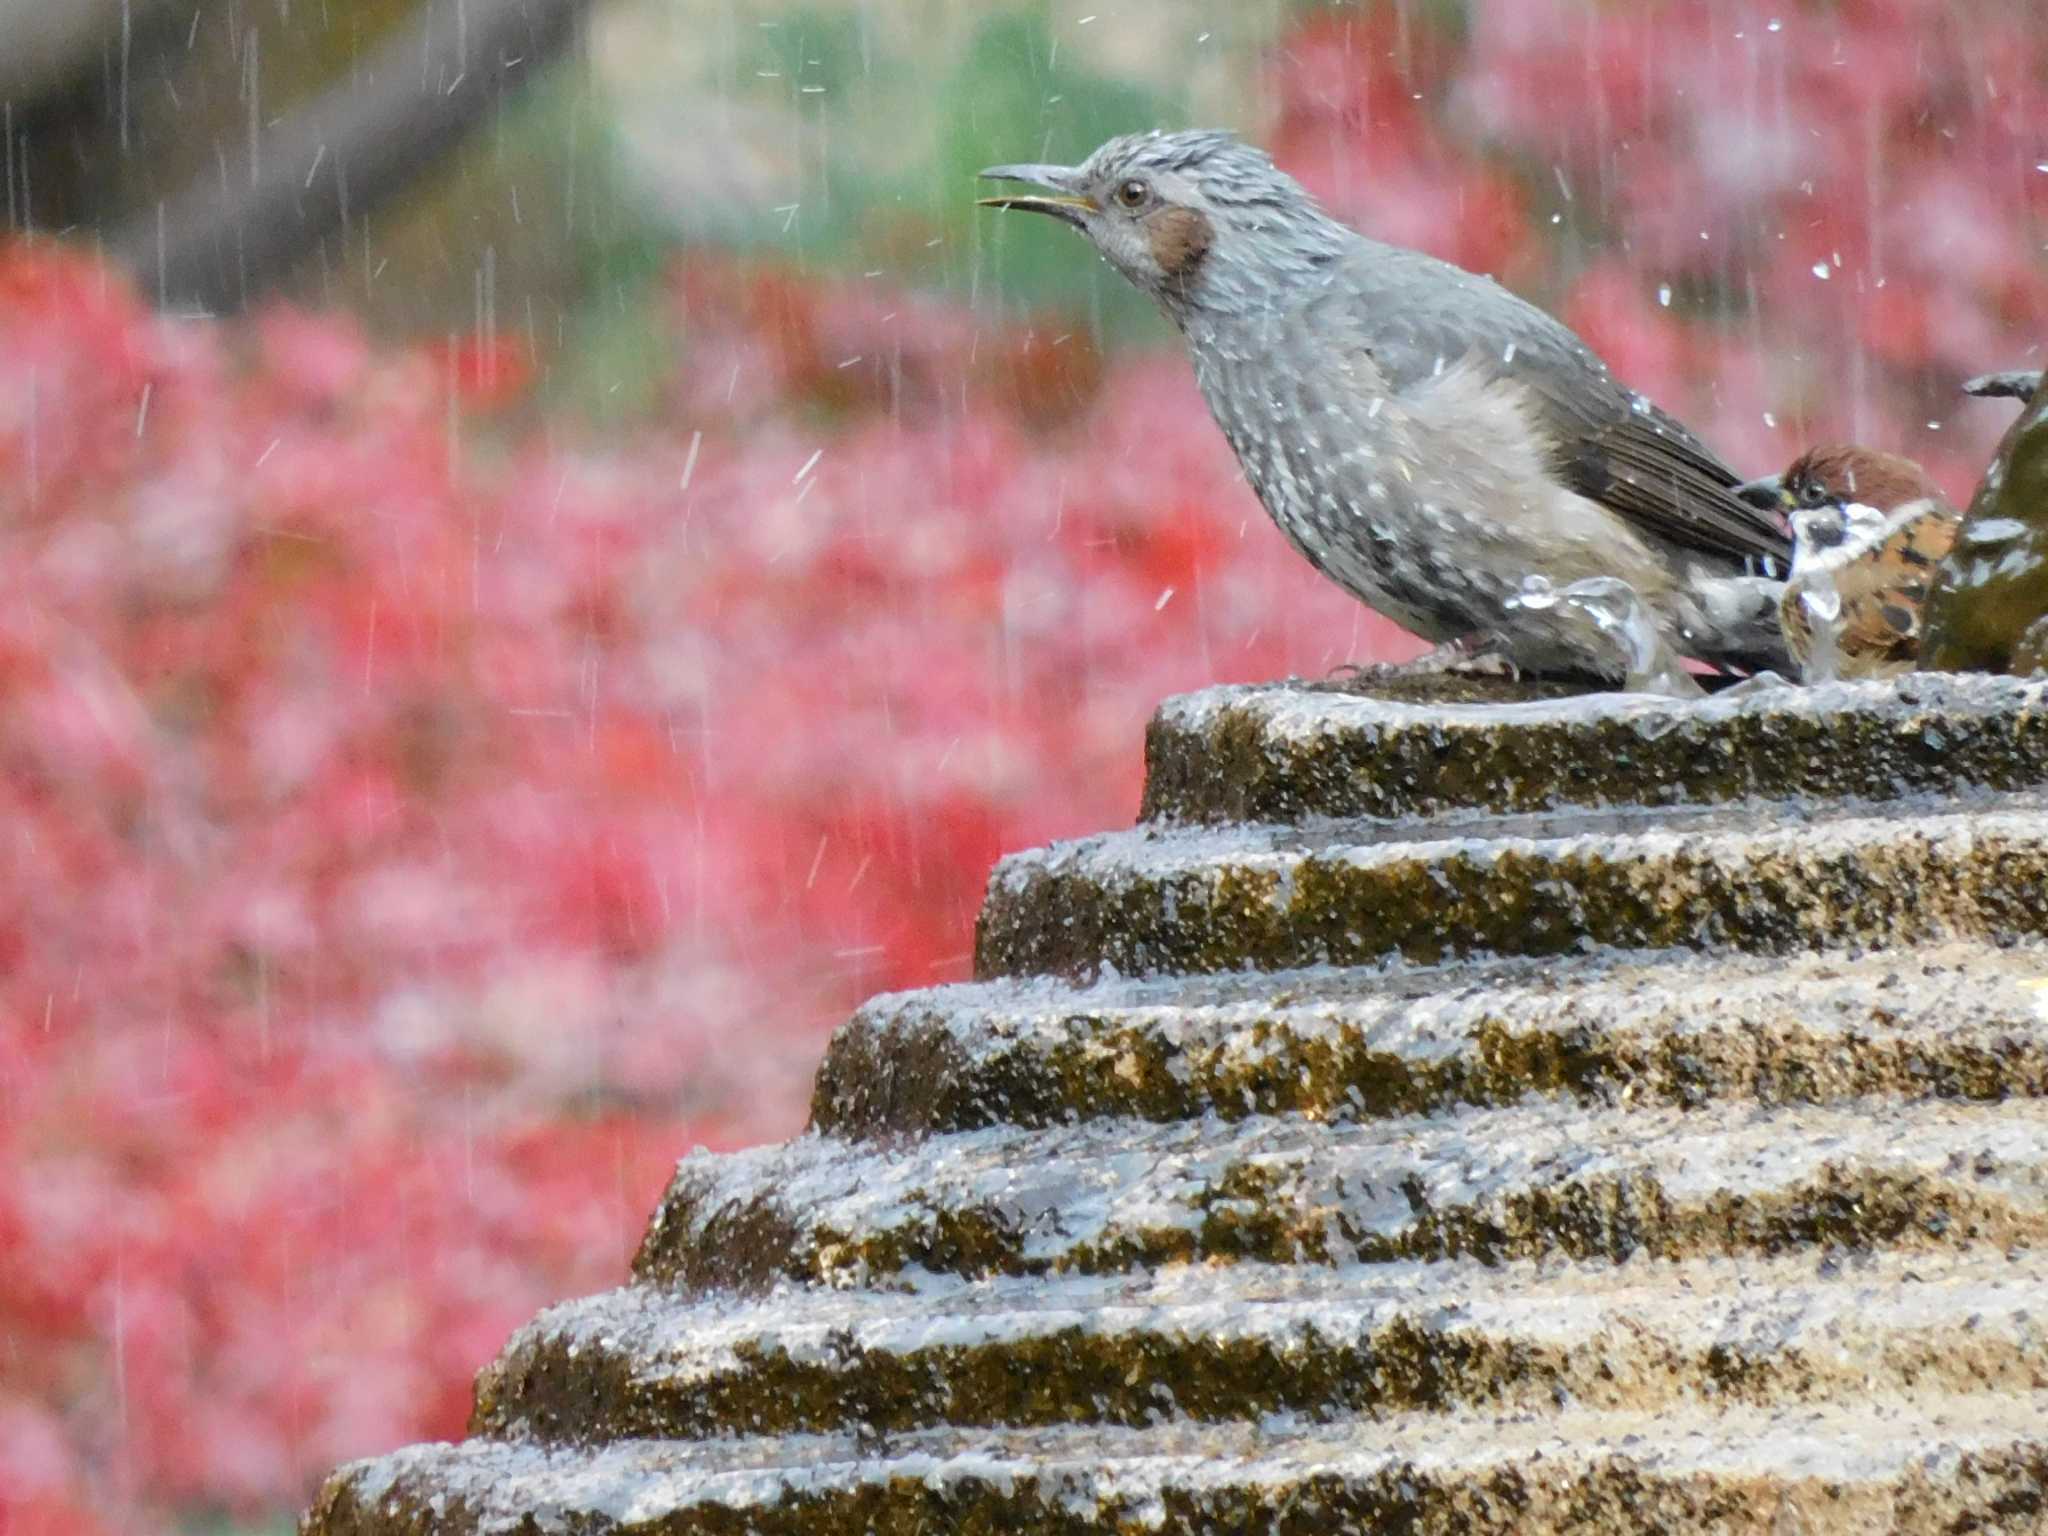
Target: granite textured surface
(1564,1114)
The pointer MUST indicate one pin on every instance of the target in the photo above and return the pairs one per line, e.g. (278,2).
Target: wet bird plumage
(1422,435)
(1873,528)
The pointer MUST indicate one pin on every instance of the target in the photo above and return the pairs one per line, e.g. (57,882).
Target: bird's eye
(1132,194)
(1813,494)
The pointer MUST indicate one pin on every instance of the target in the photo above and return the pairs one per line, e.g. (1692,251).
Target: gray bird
(1426,438)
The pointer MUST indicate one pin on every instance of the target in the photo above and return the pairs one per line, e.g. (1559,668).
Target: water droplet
(1820,270)
(1664,294)
(1993,530)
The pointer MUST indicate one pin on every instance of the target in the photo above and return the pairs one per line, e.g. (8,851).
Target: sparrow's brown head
(1842,475)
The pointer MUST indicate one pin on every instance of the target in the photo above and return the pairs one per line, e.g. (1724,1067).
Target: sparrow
(1868,530)
(1424,437)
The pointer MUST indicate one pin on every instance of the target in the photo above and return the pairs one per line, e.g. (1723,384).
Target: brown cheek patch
(1180,239)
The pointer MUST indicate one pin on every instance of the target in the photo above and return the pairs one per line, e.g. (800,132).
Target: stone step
(1284,752)
(1538,1180)
(1960,1020)
(1254,1340)
(1974,1463)
(1758,878)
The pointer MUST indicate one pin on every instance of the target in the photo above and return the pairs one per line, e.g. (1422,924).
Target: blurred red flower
(410,850)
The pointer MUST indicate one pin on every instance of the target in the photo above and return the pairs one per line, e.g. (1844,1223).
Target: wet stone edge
(913,1076)
(1780,897)
(1610,1492)
(1227,763)
(567,1388)
(1256,1212)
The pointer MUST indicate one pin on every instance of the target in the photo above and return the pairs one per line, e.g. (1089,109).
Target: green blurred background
(844,132)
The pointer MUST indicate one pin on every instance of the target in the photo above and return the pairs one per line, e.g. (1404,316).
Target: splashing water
(1537,595)
(1618,613)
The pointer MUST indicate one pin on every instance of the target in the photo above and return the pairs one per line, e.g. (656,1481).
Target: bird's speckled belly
(1368,553)
(1432,505)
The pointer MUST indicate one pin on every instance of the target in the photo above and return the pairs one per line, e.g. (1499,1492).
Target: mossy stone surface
(1487,1112)
(1958,1021)
(1284,753)
(1593,1474)
(1215,1345)
(1549,1179)
(1760,880)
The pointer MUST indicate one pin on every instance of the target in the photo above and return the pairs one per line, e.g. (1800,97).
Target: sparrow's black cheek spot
(1900,619)
(1180,238)
(1912,554)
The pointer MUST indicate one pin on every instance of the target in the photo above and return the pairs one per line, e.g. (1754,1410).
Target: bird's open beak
(1064,206)
(1766,495)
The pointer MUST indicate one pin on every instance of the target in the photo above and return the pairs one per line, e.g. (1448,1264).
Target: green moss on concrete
(1615,1219)
(1275,1212)
(911,1079)
(554,1392)
(1606,1493)
(1464,900)
(912,1076)
(909,1074)
(1924,735)
(743,1248)
(1070,1376)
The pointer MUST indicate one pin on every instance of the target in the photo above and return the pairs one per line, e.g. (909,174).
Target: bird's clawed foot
(1467,656)
(1756,682)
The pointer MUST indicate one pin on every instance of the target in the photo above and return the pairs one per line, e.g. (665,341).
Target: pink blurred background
(427,814)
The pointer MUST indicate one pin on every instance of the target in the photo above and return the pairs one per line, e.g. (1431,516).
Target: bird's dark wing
(1419,315)
(1649,468)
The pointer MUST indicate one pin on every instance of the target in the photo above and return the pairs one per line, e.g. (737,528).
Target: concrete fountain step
(1972,1463)
(1759,878)
(1544,1179)
(1253,1340)
(1958,1020)
(1591,1115)
(1283,752)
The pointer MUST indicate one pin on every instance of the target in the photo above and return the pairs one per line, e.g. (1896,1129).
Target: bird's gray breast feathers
(1430,501)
